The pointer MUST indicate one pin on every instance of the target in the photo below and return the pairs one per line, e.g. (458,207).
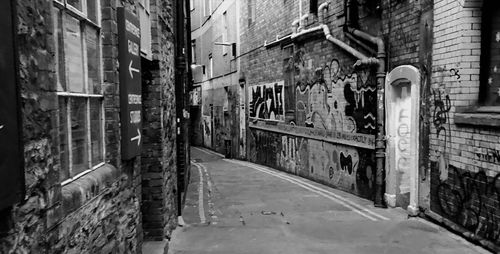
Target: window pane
(79,142)
(493,87)
(92,10)
(74,58)
(58,39)
(96,130)
(63,138)
(75,3)
(92,37)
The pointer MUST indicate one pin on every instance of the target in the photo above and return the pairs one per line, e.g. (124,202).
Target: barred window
(79,78)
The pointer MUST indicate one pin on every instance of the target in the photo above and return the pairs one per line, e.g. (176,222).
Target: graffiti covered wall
(464,145)
(340,166)
(330,139)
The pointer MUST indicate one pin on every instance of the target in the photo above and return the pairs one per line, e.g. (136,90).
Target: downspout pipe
(380,140)
(295,26)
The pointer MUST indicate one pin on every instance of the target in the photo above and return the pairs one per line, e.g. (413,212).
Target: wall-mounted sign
(129,39)
(11,154)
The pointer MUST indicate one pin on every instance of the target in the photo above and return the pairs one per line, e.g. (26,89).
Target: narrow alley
(239,207)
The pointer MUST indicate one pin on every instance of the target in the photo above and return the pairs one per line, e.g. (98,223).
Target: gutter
(380,141)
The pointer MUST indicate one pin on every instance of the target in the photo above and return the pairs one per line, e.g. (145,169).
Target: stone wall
(99,212)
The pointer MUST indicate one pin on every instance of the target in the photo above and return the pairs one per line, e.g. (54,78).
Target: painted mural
(340,166)
(330,137)
(266,101)
(335,97)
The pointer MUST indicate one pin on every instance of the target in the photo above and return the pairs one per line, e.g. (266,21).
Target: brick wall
(465,170)
(328,103)
(159,165)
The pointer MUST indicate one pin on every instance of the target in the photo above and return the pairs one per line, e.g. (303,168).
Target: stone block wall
(99,212)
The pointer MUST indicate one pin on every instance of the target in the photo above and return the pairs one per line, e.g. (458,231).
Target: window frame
(211,66)
(485,59)
(88,93)
(193,51)
(225,32)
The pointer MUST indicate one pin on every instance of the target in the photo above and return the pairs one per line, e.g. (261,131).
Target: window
(490,54)
(145,23)
(224,32)
(191,5)
(313,6)
(207,7)
(211,66)
(193,51)
(251,12)
(79,71)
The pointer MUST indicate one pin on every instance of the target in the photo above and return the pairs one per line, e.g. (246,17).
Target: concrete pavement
(240,207)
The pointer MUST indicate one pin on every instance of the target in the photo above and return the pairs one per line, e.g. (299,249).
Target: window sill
(85,188)
(478,116)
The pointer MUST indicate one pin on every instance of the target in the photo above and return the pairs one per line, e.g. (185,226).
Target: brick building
(217,106)
(86,75)
(392,97)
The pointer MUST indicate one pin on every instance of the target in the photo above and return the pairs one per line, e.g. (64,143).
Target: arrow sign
(138,137)
(132,69)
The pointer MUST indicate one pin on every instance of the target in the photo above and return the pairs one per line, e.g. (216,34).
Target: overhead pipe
(380,140)
(362,59)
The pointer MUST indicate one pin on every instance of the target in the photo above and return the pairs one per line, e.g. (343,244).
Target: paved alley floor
(238,207)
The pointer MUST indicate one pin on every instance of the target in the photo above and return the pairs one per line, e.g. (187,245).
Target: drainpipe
(300,13)
(380,143)
(295,26)
(362,59)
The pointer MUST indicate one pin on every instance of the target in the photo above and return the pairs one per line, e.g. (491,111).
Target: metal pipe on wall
(380,143)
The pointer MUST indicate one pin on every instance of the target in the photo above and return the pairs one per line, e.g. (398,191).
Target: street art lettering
(441,117)
(290,152)
(491,155)
(403,151)
(454,73)
(471,200)
(267,101)
(442,106)
(338,137)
